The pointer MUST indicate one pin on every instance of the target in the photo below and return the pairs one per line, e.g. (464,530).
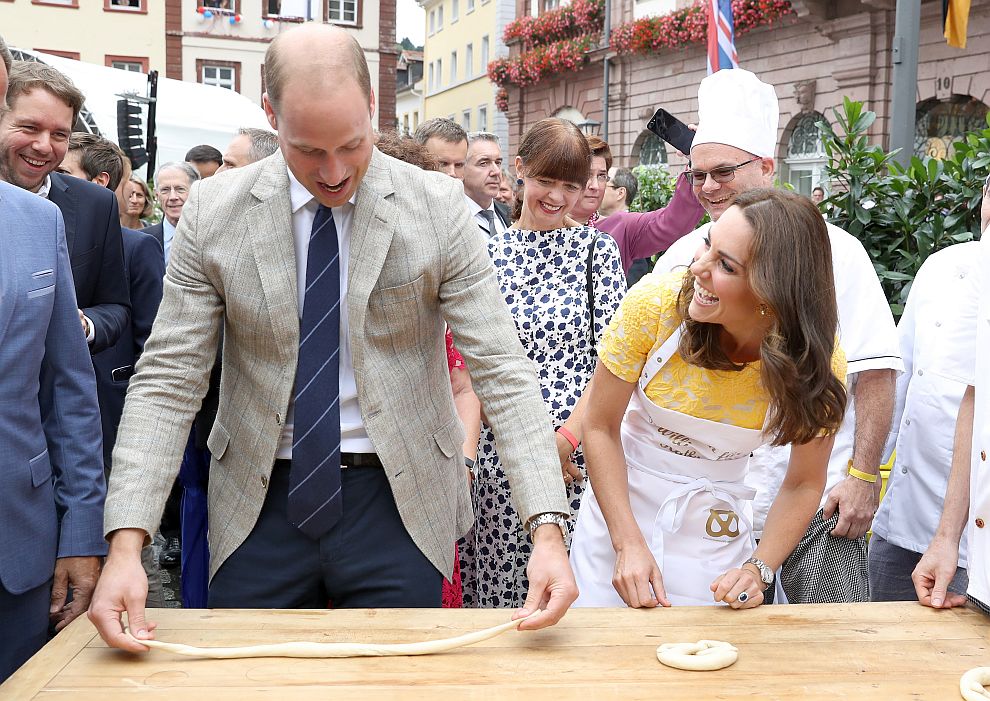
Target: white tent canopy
(188,114)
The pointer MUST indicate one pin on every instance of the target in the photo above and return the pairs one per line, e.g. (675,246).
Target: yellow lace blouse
(647,317)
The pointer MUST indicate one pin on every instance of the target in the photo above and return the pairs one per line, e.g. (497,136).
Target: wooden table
(856,651)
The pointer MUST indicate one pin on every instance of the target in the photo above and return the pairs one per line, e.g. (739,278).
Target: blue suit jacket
(51,504)
(144,266)
(92,232)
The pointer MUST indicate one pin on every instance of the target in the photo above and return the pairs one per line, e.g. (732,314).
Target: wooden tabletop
(848,651)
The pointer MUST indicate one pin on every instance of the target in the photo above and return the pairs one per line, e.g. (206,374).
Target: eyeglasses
(177,189)
(719,175)
(602,178)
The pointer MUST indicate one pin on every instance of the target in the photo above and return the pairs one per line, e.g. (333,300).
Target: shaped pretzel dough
(972,682)
(322,650)
(702,656)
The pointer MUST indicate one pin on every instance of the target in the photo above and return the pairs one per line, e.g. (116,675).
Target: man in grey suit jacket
(410,258)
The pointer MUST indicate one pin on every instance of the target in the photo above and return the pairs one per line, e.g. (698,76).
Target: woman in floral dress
(542,267)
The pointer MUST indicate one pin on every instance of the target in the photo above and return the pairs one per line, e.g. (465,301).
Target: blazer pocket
(42,283)
(387,296)
(41,469)
(218,440)
(400,309)
(449,438)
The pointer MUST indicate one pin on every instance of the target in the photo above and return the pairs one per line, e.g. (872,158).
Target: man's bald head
(317,56)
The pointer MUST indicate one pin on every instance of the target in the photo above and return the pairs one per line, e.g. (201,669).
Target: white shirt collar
(46,187)
(474,207)
(299,196)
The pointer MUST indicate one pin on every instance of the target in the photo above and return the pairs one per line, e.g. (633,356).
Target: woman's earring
(519,181)
(764,310)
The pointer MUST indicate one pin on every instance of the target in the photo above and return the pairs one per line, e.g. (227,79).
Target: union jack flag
(721,36)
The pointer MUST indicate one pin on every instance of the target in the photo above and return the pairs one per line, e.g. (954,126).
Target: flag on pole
(955,17)
(721,35)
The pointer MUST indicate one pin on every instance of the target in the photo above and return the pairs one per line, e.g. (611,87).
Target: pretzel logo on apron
(722,523)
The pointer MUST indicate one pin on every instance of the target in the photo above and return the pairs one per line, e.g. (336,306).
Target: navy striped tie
(314,480)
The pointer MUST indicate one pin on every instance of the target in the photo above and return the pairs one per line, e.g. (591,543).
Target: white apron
(694,512)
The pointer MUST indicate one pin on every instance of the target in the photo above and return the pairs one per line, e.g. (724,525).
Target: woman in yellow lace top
(697,369)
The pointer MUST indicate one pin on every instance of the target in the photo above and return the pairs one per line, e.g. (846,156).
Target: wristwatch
(766,574)
(547,517)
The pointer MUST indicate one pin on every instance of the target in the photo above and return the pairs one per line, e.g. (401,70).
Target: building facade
(827,50)
(223,42)
(462,37)
(127,34)
(408,92)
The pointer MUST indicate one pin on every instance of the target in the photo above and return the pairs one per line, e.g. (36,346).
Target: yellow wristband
(860,475)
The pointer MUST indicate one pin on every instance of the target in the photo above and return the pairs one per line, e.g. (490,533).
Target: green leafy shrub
(901,215)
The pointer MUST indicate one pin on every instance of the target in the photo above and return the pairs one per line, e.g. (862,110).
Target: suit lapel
(65,198)
(270,225)
(371,237)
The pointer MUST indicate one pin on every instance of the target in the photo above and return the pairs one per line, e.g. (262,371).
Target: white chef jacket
(927,400)
(867,334)
(971,364)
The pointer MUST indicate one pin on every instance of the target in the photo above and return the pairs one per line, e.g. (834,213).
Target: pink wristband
(570,437)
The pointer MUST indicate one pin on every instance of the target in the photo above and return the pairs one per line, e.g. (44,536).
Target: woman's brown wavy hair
(790,270)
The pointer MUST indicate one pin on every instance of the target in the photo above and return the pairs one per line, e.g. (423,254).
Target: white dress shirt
(354,437)
(168,233)
(927,400)
(867,335)
(481,219)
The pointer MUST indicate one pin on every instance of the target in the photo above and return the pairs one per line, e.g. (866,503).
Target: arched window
(652,150)
(804,164)
(940,122)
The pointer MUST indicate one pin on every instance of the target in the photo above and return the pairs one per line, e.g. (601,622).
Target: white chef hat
(738,109)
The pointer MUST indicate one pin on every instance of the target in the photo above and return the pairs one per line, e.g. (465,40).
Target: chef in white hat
(733,151)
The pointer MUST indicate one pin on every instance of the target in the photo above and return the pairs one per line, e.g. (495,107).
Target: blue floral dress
(543,277)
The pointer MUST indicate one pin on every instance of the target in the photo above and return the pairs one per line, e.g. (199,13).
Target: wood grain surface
(848,651)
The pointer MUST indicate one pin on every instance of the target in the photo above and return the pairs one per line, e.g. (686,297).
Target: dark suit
(158,231)
(502,210)
(92,231)
(144,266)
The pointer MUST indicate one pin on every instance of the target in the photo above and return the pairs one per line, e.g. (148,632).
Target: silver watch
(547,517)
(766,574)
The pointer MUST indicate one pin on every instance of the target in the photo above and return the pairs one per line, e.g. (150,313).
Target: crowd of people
(372,370)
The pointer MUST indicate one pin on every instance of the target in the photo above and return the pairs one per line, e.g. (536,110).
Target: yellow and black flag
(955,17)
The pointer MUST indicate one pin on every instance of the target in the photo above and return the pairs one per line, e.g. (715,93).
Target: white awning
(188,114)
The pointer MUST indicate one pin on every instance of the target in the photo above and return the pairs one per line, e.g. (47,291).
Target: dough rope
(323,650)
(972,682)
(702,656)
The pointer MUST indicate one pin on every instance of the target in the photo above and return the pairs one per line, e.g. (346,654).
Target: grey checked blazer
(416,259)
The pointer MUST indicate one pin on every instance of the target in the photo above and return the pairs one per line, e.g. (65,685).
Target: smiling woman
(698,369)
(562,284)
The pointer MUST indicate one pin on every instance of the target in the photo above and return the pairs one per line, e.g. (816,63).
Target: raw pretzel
(972,682)
(702,656)
(308,649)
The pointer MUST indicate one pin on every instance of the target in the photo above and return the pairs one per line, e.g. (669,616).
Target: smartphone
(672,130)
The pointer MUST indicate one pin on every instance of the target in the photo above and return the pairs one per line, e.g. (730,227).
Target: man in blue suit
(34,133)
(51,505)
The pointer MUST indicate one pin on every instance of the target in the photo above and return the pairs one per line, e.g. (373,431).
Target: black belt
(348,460)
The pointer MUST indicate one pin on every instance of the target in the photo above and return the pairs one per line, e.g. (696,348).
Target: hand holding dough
(702,656)
(323,650)
(972,682)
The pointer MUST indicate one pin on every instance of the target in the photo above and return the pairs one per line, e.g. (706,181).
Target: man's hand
(637,577)
(551,581)
(79,573)
(123,587)
(85,323)
(856,502)
(933,574)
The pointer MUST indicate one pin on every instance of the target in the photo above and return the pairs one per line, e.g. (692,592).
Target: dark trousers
(23,626)
(367,560)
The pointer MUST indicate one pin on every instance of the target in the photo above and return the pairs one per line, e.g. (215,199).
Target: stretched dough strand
(702,656)
(323,650)
(972,682)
